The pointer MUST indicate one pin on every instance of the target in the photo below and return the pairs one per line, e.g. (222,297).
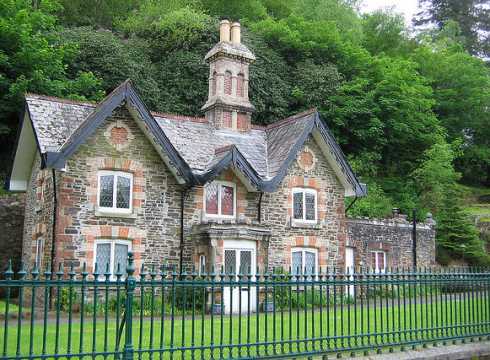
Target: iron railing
(164,314)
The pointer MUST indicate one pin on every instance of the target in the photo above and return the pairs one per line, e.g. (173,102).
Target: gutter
(351,204)
(53,229)
(183,195)
(259,208)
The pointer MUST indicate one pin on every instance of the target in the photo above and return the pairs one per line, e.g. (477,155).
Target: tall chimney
(224,31)
(235,33)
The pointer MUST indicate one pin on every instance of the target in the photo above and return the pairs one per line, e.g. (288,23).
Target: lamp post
(414,239)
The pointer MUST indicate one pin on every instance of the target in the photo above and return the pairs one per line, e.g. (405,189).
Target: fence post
(130,286)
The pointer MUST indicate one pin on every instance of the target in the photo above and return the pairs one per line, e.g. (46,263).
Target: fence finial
(130,268)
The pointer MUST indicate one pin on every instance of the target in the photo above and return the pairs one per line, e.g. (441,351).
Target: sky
(406,7)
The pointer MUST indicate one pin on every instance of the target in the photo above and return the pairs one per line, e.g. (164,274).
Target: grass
(387,322)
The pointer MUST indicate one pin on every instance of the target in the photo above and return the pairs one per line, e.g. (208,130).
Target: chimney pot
(235,33)
(224,30)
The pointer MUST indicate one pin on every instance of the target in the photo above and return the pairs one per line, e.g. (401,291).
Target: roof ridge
(199,119)
(291,118)
(62,100)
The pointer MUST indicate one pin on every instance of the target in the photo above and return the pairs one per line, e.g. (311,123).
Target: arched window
(228,83)
(239,85)
(213,84)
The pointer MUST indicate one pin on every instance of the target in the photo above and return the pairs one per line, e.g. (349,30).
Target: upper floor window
(304,205)
(304,261)
(378,261)
(239,85)
(220,199)
(115,191)
(111,255)
(228,83)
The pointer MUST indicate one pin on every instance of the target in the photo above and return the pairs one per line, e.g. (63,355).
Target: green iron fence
(163,314)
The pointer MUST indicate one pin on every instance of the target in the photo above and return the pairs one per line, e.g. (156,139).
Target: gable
(25,152)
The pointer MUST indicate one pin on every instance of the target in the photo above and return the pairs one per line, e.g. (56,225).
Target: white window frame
(114,209)
(220,186)
(305,191)
(303,250)
(111,258)
(202,264)
(377,270)
(39,252)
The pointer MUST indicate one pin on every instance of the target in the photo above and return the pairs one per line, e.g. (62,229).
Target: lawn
(301,330)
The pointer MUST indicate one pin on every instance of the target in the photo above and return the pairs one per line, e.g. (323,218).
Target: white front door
(349,268)
(239,258)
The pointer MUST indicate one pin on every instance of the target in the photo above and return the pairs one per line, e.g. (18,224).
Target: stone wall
(394,237)
(11,220)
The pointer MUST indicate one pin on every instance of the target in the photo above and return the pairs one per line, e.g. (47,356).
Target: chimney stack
(224,31)
(235,33)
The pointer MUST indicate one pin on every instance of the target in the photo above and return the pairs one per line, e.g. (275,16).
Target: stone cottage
(104,179)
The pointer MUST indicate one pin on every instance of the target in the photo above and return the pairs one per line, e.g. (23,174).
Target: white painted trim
(304,191)
(220,183)
(303,250)
(111,259)
(376,265)
(114,210)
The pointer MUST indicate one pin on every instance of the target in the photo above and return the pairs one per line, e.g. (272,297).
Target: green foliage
(406,110)
(31,59)
(456,234)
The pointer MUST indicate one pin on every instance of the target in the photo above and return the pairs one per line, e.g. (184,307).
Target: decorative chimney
(228,106)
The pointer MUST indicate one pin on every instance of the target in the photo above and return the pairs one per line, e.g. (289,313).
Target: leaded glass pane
(230,261)
(296,263)
(298,205)
(120,257)
(212,198)
(123,192)
(106,191)
(310,262)
(103,257)
(245,261)
(310,206)
(227,200)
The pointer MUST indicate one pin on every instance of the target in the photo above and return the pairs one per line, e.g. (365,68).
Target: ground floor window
(304,260)
(378,261)
(202,264)
(111,255)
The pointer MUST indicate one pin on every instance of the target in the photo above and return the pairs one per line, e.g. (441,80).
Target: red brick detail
(228,83)
(119,135)
(239,85)
(306,159)
(243,122)
(227,119)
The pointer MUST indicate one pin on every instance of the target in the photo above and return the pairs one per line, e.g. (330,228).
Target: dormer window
(304,205)
(220,199)
(115,192)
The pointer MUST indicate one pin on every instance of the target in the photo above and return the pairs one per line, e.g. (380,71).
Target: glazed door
(239,261)
(349,268)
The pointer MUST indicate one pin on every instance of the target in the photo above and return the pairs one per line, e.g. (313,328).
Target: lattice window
(115,191)
(304,261)
(304,205)
(220,199)
(109,254)
(230,261)
(245,262)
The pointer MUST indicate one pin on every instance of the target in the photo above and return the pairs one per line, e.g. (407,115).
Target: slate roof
(199,150)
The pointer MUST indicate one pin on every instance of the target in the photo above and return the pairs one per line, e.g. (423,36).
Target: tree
(461,86)
(32,59)
(472,16)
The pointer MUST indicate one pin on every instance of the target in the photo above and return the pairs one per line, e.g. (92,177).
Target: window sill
(115,214)
(306,225)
